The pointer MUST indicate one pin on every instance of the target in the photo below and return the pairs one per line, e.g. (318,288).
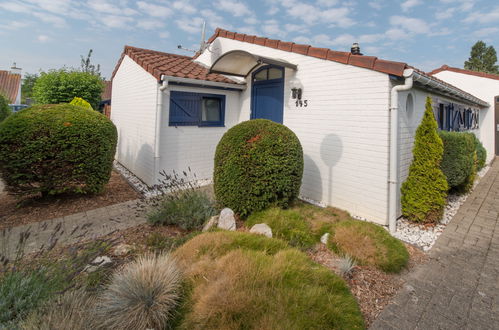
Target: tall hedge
(481,153)
(425,190)
(258,163)
(53,149)
(61,86)
(458,157)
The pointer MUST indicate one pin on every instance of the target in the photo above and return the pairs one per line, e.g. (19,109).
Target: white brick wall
(485,89)
(344,130)
(134,114)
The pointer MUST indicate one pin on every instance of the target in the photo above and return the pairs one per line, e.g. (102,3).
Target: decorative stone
(210,223)
(261,229)
(96,263)
(325,238)
(226,219)
(122,249)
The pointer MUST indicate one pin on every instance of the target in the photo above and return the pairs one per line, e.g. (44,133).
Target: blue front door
(267,94)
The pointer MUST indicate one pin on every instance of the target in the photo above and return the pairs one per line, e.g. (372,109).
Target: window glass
(262,75)
(210,110)
(275,73)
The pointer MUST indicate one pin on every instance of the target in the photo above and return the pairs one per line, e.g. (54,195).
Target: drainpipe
(159,123)
(393,175)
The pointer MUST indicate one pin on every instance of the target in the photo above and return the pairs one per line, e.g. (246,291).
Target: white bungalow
(172,110)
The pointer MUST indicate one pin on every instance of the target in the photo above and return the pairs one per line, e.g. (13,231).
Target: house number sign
(301,103)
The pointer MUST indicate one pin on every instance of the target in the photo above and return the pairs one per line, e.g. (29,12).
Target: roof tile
(300,49)
(336,56)
(362,61)
(464,71)
(9,85)
(272,43)
(318,52)
(286,46)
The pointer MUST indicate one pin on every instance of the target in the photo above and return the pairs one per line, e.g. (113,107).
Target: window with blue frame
(196,109)
(453,117)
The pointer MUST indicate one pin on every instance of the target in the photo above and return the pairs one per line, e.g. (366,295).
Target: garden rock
(261,229)
(226,219)
(325,238)
(96,263)
(210,223)
(122,249)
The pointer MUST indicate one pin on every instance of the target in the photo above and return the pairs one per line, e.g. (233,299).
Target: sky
(49,34)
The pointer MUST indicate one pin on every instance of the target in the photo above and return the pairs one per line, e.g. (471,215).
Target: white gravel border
(423,236)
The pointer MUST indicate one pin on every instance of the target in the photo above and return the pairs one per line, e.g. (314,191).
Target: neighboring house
(105,103)
(10,84)
(171,111)
(484,86)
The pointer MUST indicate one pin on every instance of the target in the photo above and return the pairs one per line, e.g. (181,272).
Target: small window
(262,75)
(275,73)
(268,73)
(409,106)
(196,109)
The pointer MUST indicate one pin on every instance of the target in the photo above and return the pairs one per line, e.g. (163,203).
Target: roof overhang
(240,63)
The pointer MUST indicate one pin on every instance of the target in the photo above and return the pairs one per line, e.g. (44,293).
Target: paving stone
(458,288)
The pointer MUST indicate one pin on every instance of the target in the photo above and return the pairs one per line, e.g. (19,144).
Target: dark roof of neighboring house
(9,84)
(106,92)
(173,65)
(368,62)
(464,71)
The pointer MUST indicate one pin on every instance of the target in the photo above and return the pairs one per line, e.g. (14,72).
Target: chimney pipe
(14,69)
(355,50)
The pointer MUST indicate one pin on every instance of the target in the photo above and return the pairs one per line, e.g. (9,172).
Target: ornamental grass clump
(53,149)
(425,190)
(143,295)
(258,163)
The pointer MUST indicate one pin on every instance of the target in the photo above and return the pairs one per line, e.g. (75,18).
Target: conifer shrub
(481,153)
(52,149)
(81,103)
(458,157)
(5,110)
(425,190)
(258,163)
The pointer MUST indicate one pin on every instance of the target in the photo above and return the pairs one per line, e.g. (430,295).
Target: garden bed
(16,212)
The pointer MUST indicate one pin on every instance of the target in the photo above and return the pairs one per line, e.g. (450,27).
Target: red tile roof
(464,71)
(9,85)
(106,92)
(368,62)
(173,65)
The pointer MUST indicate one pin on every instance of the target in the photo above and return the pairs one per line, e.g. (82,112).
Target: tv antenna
(203,45)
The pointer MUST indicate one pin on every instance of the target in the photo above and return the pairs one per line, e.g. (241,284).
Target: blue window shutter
(184,108)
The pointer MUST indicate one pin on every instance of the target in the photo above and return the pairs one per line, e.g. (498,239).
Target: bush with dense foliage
(258,163)
(239,280)
(55,149)
(5,110)
(425,190)
(61,86)
(143,295)
(368,244)
(188,209)
(288,225)
(481,153)
(81,103)
(458,157)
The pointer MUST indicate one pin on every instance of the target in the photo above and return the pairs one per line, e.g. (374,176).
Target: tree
(27,86)
(482,58)
(425,190)
(61,86)
(87,66)
(5,110)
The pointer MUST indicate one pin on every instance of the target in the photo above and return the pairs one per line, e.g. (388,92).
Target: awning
(241,63)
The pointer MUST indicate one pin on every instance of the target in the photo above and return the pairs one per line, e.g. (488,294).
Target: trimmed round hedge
(258,163)
(52,149)
(481,153)
(457,161)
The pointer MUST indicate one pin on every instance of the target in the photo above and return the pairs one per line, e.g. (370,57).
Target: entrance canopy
(241,63)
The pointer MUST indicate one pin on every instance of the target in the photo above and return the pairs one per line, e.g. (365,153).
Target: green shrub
(258,163)
(287,225)
(81,103)
(143,295)
(368,244)
(57,148)
(249,286)
(481,153)
(188,209)
(61,86)
(5,110)
(425,190)
(457,160)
